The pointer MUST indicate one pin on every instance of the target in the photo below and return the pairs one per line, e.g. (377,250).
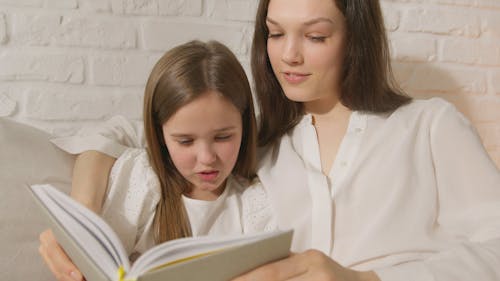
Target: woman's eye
(274,35)
(317,38)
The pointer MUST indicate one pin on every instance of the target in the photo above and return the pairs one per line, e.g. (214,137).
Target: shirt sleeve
(112,137)
(131,199)
(468,187)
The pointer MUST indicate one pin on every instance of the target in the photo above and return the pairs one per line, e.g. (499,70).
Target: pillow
(26,157)
(27,154)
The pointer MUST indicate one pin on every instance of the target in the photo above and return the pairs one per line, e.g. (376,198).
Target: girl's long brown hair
(367,79)
(180,76)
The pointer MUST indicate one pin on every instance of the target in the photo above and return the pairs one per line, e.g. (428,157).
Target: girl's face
(306,48)
(203,139)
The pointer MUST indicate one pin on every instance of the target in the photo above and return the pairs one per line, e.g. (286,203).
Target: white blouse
(134,192)
(412,195)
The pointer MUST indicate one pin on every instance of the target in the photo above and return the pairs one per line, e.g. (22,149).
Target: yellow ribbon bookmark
(121,275)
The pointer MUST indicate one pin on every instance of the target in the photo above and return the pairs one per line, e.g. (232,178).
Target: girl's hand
(56,259)
(309,265)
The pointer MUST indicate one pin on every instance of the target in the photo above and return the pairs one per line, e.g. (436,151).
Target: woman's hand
(309,265)
(56,259)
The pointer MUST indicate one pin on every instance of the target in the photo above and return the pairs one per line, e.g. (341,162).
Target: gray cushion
(26,157)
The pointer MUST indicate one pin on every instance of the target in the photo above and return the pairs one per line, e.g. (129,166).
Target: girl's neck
(207,195)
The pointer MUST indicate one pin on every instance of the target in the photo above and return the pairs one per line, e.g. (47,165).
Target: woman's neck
(330,119)
(327,110)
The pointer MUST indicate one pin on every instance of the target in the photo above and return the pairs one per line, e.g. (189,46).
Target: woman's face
(203,139)
(306,48)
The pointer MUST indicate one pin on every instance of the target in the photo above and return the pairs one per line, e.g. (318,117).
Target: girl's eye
(222,137)
(185,141)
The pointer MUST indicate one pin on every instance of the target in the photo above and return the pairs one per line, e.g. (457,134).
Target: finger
(43,250)
(56,259)
(284,269)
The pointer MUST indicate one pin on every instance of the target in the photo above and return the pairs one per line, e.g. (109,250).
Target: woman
(368,178)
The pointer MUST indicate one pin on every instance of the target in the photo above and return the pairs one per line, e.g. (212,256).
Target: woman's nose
(292,53)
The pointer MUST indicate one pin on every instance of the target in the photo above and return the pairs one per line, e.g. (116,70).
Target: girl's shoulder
(256,209)
(133,167)
(134,157)
(247,189)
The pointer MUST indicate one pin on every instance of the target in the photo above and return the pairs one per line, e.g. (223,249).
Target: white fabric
(119,129)
(412,194)
(134,191)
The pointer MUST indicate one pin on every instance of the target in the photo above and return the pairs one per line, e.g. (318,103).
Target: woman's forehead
(304,11)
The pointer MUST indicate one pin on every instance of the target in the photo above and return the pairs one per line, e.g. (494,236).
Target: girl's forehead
(209,111)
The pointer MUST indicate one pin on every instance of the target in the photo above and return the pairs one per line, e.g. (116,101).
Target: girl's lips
(295,78)
(208,175)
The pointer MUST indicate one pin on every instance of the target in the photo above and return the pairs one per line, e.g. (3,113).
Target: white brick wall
(65,63)
(451,49)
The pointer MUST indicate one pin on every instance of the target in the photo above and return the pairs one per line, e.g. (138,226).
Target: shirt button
(343,163)
(358,130)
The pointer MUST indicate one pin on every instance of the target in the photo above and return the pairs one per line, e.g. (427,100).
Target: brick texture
(66,63)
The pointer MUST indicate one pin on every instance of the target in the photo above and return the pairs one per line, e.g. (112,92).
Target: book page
(184,249)
(227,263)
(87,229)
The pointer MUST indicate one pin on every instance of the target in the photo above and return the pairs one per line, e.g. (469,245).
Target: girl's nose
(206,154)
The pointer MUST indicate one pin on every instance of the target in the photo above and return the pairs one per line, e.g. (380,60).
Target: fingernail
(75,276)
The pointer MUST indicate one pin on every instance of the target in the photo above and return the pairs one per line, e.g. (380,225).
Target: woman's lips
(295,78)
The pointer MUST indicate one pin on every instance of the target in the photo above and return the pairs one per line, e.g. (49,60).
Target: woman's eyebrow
(318,20)
(271,21)
(309,22)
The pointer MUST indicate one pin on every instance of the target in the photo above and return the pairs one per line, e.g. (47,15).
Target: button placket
(320,193)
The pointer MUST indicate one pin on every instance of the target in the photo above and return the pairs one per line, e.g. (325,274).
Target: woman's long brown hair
(367,79)
(180,76)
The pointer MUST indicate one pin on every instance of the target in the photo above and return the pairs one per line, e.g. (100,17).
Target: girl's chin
(206,190)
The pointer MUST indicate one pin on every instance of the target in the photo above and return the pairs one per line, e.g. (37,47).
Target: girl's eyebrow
(229,128)
(179,135)
(309,22)
(182,135)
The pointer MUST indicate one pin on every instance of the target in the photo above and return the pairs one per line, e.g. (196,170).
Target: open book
(97,251)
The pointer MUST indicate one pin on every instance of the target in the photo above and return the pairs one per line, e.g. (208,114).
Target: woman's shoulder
(429,107)
(417,113)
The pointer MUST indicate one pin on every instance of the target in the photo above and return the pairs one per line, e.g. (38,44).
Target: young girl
(196,176)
